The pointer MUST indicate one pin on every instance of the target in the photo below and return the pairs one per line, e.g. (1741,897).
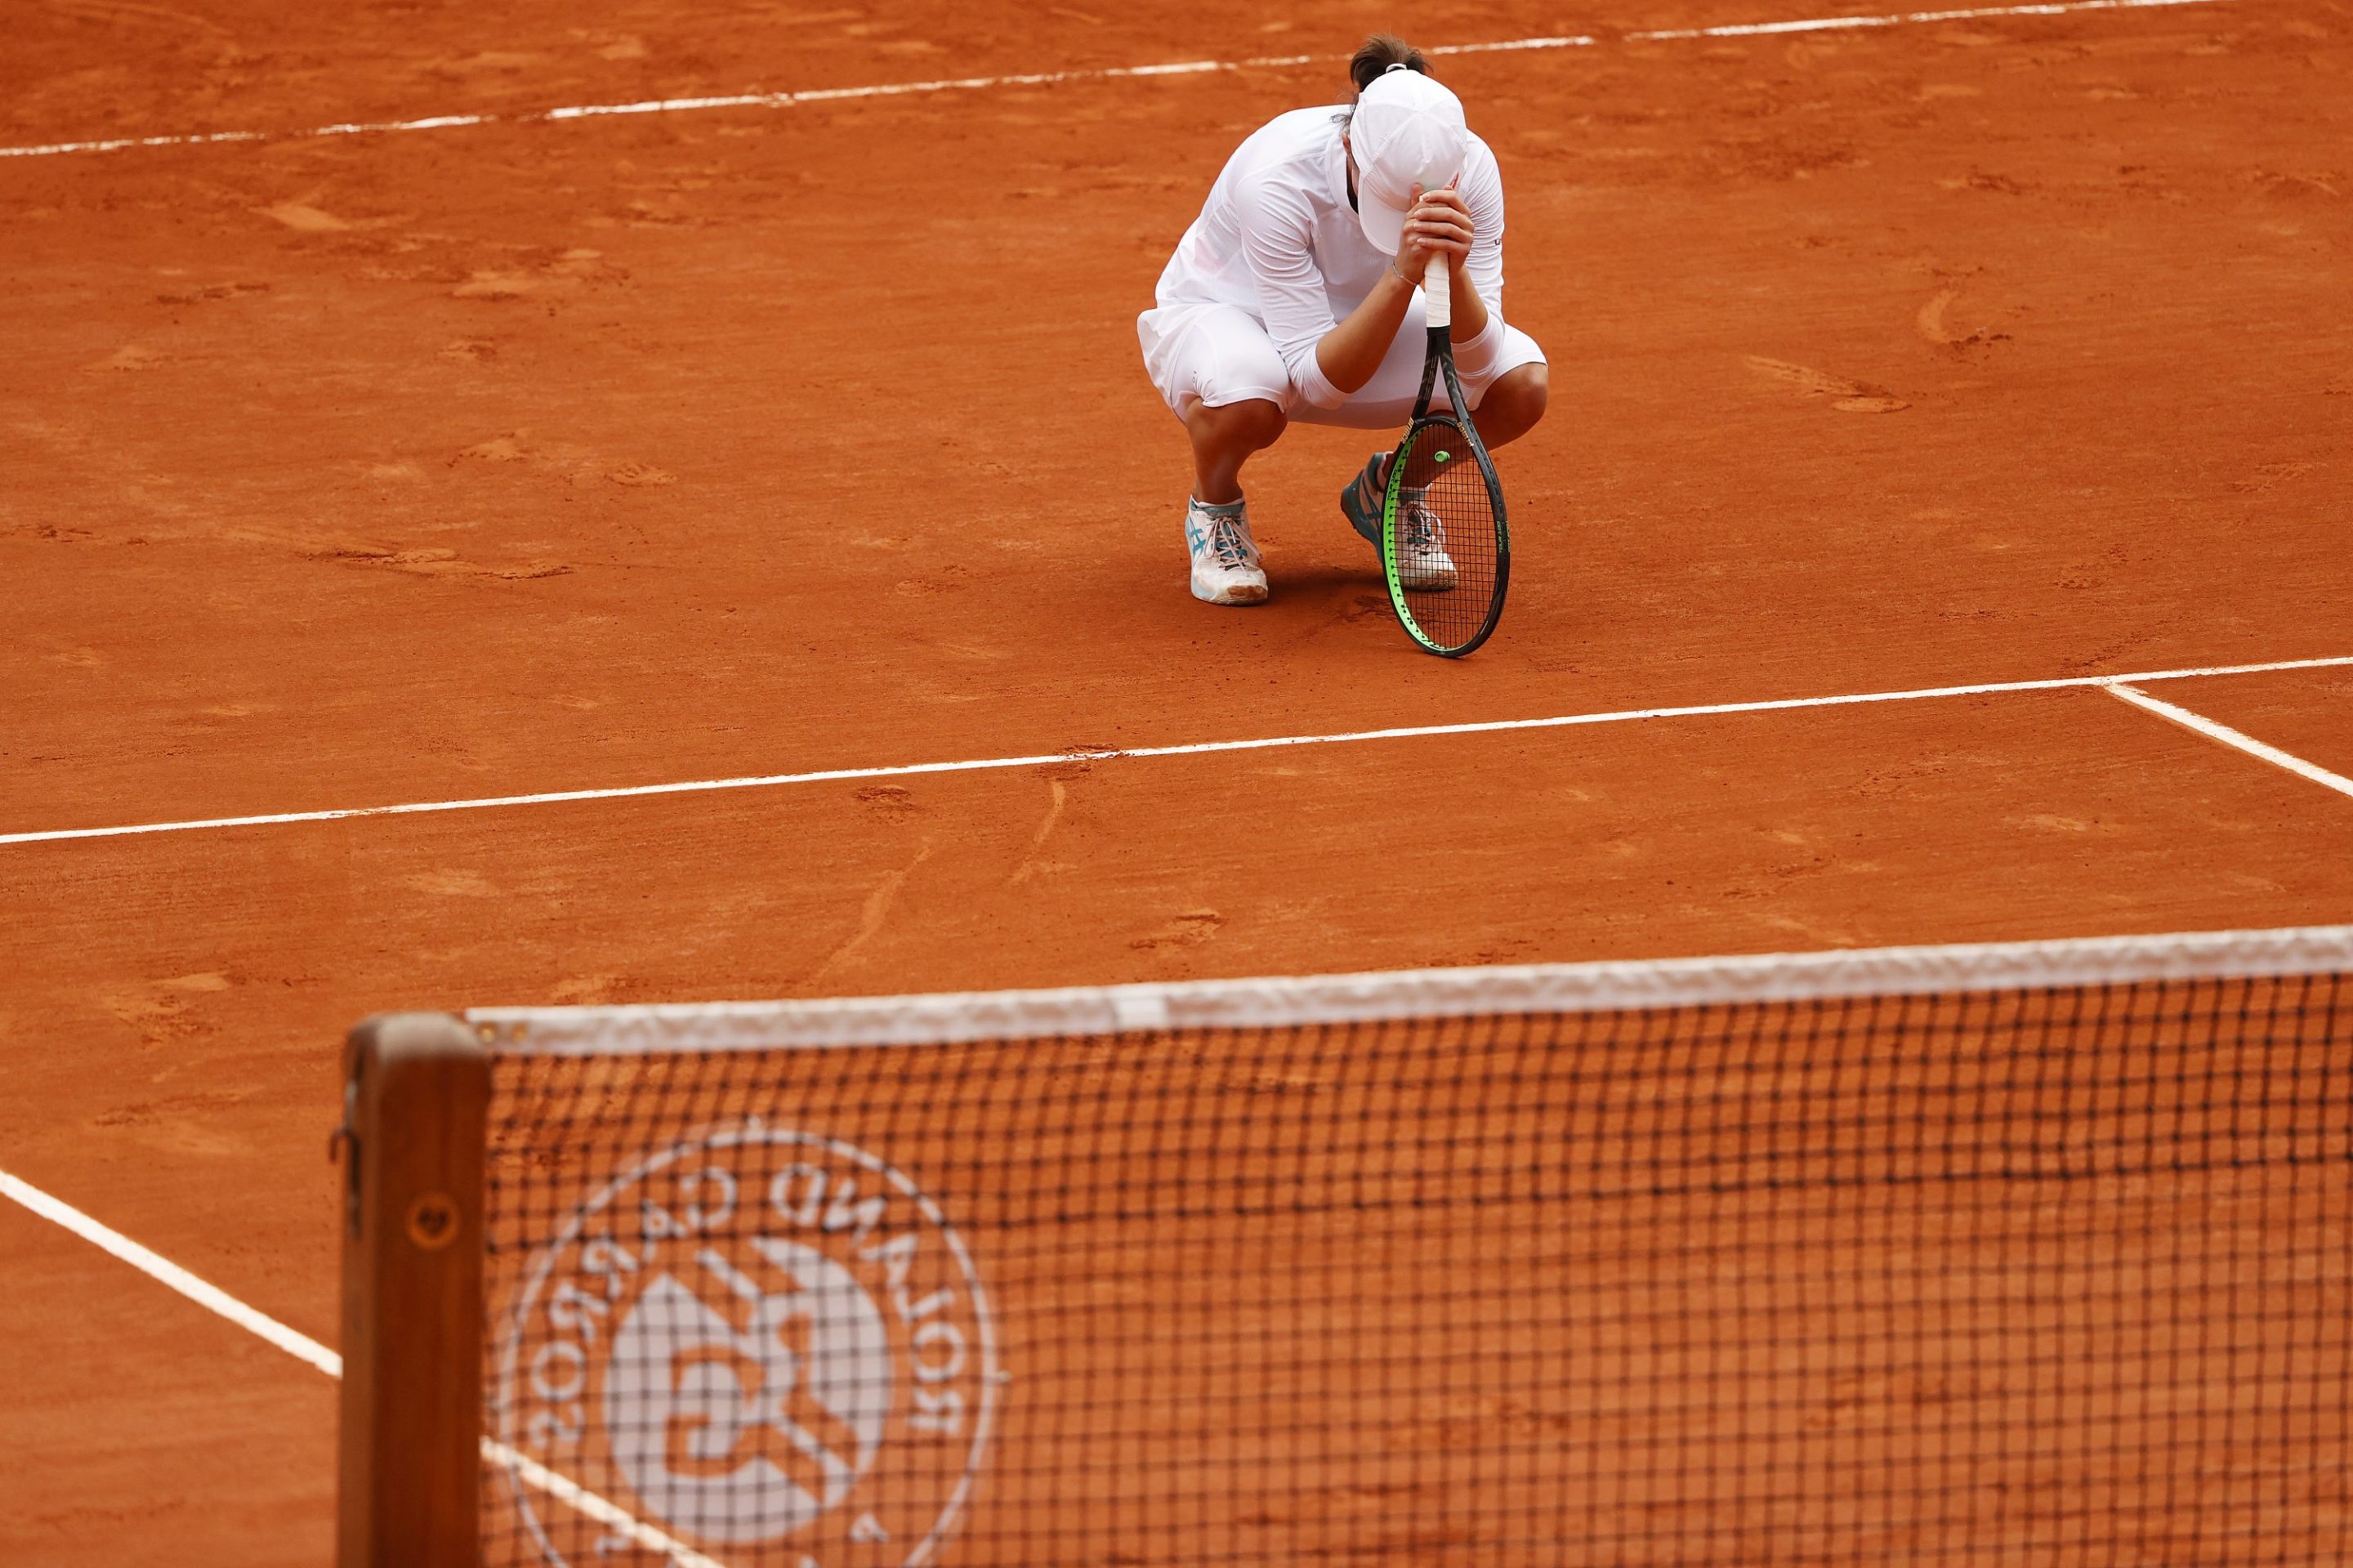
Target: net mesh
(1448,554)
(2042,1274)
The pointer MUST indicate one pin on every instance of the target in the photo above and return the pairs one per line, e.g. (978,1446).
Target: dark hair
(1379,52)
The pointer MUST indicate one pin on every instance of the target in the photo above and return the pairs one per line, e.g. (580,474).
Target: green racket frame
(1427,426)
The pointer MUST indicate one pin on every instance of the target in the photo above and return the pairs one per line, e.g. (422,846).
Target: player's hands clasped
(1439,223)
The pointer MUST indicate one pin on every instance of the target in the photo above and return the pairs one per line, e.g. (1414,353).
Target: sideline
(162,1270)
(1040,79)
(303,1348)
(1196,748)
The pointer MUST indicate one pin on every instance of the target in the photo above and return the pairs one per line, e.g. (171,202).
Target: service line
(2236,739)
(303,1348)
(1109,73)
(1195,748)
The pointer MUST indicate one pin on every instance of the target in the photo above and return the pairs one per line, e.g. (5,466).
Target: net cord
(1279,1002)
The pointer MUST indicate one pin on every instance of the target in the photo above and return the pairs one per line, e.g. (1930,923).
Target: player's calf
(1224,437)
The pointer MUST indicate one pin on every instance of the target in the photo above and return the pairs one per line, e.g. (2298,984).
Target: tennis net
(2021,1254)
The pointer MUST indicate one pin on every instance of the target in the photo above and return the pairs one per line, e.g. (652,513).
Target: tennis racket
(1444,545)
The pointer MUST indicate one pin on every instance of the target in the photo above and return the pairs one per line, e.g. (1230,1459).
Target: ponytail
(1379,55)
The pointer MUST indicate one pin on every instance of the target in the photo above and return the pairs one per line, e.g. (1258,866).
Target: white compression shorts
(1219,355)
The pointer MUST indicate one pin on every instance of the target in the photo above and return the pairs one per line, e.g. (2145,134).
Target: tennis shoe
(1226,565)
(1422,561)
(1422,564)
(1360,499)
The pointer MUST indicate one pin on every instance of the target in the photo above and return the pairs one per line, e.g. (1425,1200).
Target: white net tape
(1307,1001)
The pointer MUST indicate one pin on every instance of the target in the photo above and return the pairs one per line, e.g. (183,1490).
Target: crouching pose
(1295,296)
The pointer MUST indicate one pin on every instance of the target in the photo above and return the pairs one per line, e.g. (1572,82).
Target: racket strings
(1448,551)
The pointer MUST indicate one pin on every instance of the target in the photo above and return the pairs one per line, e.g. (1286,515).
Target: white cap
(1408,130)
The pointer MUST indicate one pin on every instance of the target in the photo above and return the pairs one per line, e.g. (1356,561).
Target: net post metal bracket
(415,1103)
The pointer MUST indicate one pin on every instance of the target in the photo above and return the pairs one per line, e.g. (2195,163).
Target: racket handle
(1437,293)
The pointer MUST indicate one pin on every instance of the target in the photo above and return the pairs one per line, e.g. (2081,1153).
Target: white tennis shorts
(1220,354)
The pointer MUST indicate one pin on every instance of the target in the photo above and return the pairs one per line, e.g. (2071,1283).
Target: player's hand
(1437,224)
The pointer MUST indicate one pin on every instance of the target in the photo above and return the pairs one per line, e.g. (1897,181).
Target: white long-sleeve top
(1278,240)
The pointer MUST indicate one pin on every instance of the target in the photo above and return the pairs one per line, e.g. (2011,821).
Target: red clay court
(465,553)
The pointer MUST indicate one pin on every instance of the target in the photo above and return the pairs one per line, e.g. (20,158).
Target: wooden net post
(416,1096)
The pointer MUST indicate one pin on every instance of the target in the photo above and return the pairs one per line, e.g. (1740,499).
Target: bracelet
(1400,272)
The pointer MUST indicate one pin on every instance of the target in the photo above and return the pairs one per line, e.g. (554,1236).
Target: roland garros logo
(759,1338)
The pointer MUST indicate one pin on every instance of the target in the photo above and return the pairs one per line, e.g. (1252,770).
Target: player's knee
(1262,421)
(1250,424)
(1519,397)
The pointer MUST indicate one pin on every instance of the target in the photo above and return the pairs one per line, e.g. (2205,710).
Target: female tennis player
(1295,296)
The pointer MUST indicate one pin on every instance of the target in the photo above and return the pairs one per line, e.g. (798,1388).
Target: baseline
(1109,73)
(1196,748)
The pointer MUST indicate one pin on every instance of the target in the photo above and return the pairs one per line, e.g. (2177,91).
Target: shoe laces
(1423,528)
(1228,544)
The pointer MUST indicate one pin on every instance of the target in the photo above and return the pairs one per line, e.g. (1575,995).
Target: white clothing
(1278,246)
(1219,355)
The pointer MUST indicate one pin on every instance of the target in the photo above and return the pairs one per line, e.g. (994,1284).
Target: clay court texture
(759,505)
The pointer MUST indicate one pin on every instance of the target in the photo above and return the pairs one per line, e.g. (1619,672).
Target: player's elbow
(1342,368)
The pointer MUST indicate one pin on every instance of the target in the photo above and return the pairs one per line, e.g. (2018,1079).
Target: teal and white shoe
(1423,563)
(1360,499)
(1226,565)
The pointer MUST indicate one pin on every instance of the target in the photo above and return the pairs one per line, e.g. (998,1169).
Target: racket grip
(1438,293)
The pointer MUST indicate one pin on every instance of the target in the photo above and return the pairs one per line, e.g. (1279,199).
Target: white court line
(303,1348)
(1903,18)
(1113,73)
(580,1500)
(162,1270)
(1196,748)
(2232,738)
